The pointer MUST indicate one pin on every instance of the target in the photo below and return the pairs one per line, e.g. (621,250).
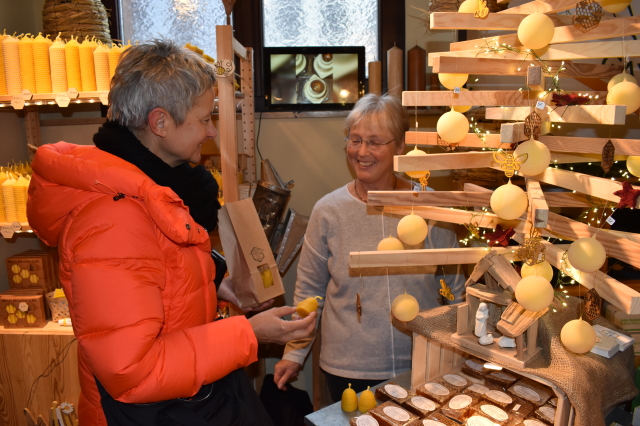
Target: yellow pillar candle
(11,59)
(58,67)
(9,200)
(3,81)
(41,64)
(72,61)
(101,63)
(349,400)
(87,67)
(3,178)
(27,72)
(114,58)
(20,190)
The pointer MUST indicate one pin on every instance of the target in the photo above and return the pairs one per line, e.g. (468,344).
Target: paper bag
(252,267)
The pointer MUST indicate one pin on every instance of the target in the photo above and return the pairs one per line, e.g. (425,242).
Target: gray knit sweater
(373,348)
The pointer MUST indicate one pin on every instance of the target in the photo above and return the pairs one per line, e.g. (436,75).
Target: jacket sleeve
(117,278)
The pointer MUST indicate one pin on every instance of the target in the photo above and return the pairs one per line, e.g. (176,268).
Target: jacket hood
(68,176)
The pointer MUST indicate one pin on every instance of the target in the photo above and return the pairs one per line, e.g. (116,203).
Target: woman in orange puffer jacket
(131,219)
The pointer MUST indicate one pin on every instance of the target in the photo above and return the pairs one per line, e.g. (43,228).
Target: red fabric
(139,279)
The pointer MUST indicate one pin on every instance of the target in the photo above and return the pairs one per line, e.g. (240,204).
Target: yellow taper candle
(101,62)
(41,64)
(72,61)
(27,72)
(87,68)
(3,216)
(11,59)
(9,200)
(3,81)
(58,66)
(20,198)
(114,58)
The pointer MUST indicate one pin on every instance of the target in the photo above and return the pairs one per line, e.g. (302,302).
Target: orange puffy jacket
(139,279)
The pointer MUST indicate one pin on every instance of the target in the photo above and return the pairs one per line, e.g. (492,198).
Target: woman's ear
(158,119)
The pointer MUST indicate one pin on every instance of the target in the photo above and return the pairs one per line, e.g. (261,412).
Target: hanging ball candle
(614,6)
(405,307)
(633,165)
(417,174)
(586,254)
(536,31)
(537,158)
(534,293)
(462,108)
(349,400)
(367,401)
(308,305)
(468,6)
(542,269)
(451,81)
(412,229)
(509,201)
(452,127)
(390,243)
(619,78)
(578,336)
(626,93)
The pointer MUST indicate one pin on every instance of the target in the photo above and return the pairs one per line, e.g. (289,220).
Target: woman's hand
(285,370)
(226,293)
(269,327)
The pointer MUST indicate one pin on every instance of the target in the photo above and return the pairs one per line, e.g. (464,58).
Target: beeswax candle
(27,73)
(41,64)
(58,67)
(3,81)
(307,306)
(11,59)
(114,58)
(101,63)
(349,400)
(395,72)
(20,198)
(87,68)
(72,61)
(375,77)
(9,199)
(3,216)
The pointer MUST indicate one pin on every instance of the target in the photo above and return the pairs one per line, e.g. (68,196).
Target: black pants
(338,384)
(231,401)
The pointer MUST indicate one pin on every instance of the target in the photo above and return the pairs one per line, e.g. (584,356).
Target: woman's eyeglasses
(356,143)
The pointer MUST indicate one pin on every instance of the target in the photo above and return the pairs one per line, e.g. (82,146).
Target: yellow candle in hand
(3,82)
(58,67)
(101,63)
(87,67)
(307,306)
(41,64)
(72,60)
(27,72)
(11,59)
(349,400)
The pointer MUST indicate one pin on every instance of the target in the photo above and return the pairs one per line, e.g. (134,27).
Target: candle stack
(58,66)
(27,71)
(72,62)
(11,58)
(41,64)
(101,62)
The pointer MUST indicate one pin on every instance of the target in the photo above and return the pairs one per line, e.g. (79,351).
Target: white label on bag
(436,389)
(473,365)
(395,391)
(500,397)
(397,414)
(533,423)
(548,412)
(503,376)
(423,403)
(460,401)
(366,420)
(432,423)
(455,380)
(495,412)
(526,393)
(478,389)
(479,421)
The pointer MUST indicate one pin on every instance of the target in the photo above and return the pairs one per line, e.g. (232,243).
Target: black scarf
(194,185)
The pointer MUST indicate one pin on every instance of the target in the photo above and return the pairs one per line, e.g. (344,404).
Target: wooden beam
(501,297)
(586,114)
(470,140)
(488,66)
(590,145)
(538,208)
(32,128)
(481,97)
(535,79)
(494,21)
(512,132)
(238,49)
(540,6)
(424,257)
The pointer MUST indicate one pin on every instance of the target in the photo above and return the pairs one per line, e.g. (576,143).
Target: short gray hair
(386,110)
(158,74)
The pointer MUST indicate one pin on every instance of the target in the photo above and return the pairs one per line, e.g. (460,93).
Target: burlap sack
(592,383)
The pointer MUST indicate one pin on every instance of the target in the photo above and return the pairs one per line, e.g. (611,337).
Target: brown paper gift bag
(252,267)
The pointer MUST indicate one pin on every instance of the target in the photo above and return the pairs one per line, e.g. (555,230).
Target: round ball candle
(114,58)
(619,78)
(625,93)
(27,71)
(586,254)
(468,6)
(41,64)
(534,293)
(8,199)
(412,229)
(537,159)
(452,127)
(462,108)
(395,72)
(405,307)
(308,305)
(101,63)
(72,58)
(451,81)
(58,67)
(367,401)
(375,77)
(390,243)
(633,165)
(614,6)
(536,31)
(87,67)
(11,58)
(417,72)
(542,269)
(509,201)
(417,174)
(578,336)
(349,400)
(3,80)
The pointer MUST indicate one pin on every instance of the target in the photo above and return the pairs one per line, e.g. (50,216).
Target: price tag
(456,90)
(23,306)
(104,97)
(16,226)
(27,95)
(610,220)
(17,102)
(72,92)
(6,231)
(62,99)
(540,105)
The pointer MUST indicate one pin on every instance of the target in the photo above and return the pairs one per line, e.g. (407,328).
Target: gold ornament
(509,163)
(424,181)
(474,231)
(482,10)
(532,251)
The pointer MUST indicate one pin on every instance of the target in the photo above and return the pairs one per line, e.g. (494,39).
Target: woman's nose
(364,148)
(211,130)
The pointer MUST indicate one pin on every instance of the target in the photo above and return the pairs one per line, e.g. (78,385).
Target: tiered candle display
(27,72)
(41,64)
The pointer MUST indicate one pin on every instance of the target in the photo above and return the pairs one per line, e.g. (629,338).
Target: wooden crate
(22,310)
(32,270)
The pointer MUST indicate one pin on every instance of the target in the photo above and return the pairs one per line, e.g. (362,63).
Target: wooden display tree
(505,55)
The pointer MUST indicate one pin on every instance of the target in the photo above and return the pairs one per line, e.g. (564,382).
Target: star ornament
(628,195)
(500,237)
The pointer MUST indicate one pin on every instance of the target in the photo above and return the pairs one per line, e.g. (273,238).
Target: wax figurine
(482,315)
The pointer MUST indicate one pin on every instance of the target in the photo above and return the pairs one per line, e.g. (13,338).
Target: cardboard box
(629,323)
(22,311)
(32,270)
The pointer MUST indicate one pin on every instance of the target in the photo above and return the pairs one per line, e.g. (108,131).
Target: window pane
(322,23)
(184,21)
